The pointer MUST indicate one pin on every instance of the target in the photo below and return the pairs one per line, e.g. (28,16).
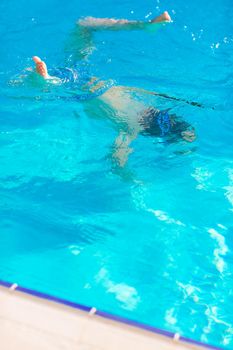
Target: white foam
(169,317)
(229,189)
(221,250)
(162,216)
(126,294)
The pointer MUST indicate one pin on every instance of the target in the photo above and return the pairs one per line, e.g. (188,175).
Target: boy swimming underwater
(132,117)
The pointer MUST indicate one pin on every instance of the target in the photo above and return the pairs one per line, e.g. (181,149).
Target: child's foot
(41,67)
(164,17)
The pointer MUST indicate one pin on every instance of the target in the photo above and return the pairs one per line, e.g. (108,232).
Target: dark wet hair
(162,124)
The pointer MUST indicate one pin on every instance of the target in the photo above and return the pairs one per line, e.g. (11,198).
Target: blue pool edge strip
(105,315)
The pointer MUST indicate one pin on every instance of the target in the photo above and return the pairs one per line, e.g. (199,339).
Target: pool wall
(107,316)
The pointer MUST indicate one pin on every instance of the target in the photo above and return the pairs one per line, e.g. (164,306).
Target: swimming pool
(153,241)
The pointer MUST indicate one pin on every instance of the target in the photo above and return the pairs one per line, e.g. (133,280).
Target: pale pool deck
(31,323)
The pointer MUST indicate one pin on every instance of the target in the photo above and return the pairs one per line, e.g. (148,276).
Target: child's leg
(118,24)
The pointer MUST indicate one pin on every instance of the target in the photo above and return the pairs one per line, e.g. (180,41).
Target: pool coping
(106,315)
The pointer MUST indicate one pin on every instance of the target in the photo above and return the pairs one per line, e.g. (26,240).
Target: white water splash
(189,291)
(162,216)
(229,189)
(221,250)
(170,317)
(126,294)
(202,176)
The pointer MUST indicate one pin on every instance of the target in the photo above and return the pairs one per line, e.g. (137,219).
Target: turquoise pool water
(152,241)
